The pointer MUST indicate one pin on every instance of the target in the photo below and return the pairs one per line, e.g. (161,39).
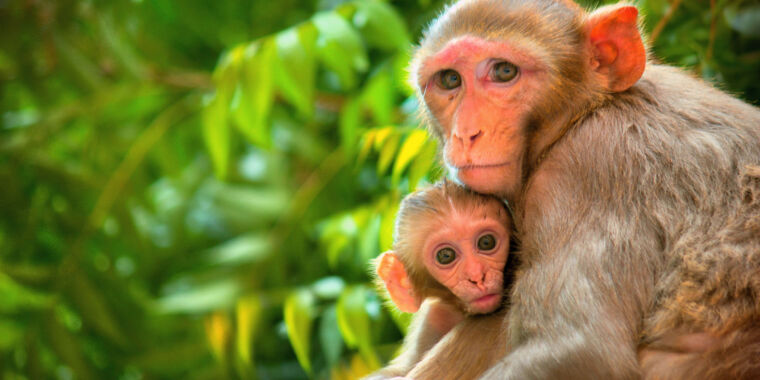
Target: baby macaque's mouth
(485,299)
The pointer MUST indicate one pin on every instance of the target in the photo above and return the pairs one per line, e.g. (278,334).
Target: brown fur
(714,291)
(633,224)
(473,346)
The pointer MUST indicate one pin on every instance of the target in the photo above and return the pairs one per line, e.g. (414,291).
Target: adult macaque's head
(502,80)
(449,243)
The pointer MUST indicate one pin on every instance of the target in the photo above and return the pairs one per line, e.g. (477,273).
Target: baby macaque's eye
(445,256)
(486,242)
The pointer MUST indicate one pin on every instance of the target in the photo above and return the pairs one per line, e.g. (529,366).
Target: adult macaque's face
(479,94)
(467,254)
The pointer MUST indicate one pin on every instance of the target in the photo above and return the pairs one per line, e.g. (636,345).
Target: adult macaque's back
(614,166)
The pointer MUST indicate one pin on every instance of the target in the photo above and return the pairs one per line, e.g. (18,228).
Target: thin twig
(118,180)
(713,30)
(664,21)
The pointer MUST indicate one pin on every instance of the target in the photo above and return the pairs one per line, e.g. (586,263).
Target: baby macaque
(449,254)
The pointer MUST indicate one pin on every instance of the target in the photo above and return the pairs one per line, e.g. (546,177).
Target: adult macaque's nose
(467,138)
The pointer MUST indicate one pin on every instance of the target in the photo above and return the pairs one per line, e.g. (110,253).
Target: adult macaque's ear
(618,53)
(392,272)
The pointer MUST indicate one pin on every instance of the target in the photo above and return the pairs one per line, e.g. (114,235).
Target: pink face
(480,93)
(467,254)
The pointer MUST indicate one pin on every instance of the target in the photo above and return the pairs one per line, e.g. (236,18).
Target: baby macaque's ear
(391,271)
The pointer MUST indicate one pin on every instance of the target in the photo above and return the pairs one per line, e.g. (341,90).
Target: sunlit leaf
(299,312)
(354,322)
(246,248)
(17,298)
(94,309)
(401,319)
(387,222)
(400,66)
(339,47)
(358,368)
(387,153)
(218,330)
(350,118)
(66,347)
(381,25)
(216,132)
(380,135)
(248,314)
(409,149)
(11,334)
(379,95)
(328,287)
(422,163)
(367,142)
(330,337)
(336,233)
(295,67)
(195,298)
(369,244)
(253,100)
(745,20)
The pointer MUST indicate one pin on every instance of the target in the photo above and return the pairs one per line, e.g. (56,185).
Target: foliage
(194,189)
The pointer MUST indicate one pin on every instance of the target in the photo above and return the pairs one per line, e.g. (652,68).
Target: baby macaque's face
(466,252)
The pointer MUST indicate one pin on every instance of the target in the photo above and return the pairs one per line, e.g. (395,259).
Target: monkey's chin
(485,304)
(500,180)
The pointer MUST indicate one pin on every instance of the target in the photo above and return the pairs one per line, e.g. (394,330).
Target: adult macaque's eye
(449,79)
(503,72)
(486,242)
(445,256)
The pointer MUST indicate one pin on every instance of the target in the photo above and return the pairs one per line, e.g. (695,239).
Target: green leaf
(247,248)
(295,68)
(94,309)
(17,298)
(379,95)
(330,337)
(248,314)
(401,319)
(66,346)
(350,118)
(336,233)
(381,25)
(340,48)
(409,149)
(11,334)
(199,298)
(367,142)
(328,287)
(389,208)
(253,99)
(216,132)
(354,322)
(400,67)
(422,163)
(380,135)
(368,239)
(299,311)
(745,21)
(387,153)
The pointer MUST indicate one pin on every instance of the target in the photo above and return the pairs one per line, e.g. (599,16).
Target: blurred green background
(193,189)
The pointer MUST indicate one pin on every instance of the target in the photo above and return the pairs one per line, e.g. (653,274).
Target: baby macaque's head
(449,243)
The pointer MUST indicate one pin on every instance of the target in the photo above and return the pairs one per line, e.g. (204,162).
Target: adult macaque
(624,177)
(450,250)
